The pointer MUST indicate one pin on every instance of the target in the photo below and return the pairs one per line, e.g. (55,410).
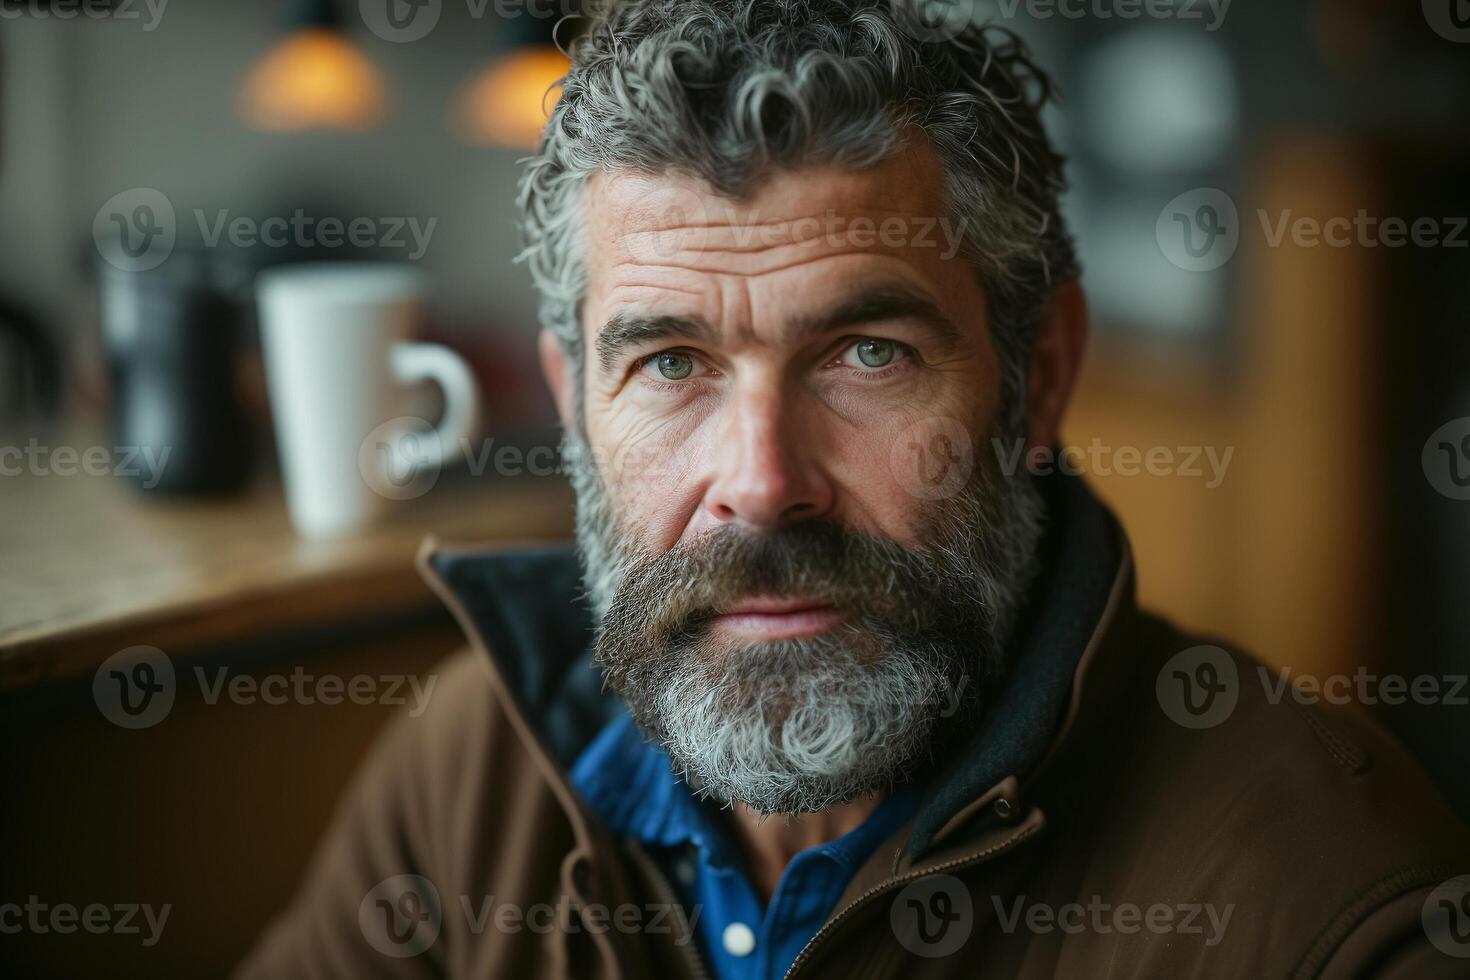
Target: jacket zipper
(665,890)
(892,883)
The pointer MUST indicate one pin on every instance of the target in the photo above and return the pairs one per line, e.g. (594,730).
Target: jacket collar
(525,608)
(1086,561)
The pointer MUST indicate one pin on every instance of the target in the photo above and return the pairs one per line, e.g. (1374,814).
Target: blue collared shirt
(631,785)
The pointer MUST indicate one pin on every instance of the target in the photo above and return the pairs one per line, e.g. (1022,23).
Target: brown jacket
(1269,840)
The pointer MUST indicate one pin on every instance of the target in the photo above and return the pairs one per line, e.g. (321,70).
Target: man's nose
(766,474)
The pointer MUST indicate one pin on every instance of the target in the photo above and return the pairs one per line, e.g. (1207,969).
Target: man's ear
(559,376)
(1056,361)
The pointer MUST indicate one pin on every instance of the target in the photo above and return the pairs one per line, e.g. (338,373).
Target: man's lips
(773,618)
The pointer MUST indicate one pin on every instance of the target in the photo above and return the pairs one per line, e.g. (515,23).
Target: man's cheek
(928,459)
(631,446)
(655,483)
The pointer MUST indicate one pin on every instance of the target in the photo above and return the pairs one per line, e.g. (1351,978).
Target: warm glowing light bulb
(314,79)
(508,103)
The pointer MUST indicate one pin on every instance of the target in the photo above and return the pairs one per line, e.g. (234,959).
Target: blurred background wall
(96,107)
(1316,374)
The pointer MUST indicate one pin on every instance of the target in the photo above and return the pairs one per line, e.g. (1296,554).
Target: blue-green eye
(672,365)
(873,353)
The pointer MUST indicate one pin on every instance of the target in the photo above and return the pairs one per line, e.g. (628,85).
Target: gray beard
(802,724)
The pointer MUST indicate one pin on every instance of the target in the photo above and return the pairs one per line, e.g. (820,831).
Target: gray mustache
(672,596)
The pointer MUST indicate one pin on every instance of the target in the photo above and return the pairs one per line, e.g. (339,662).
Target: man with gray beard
(802,723)
(836,689)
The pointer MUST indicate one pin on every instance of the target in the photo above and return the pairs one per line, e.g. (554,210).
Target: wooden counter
(91,564)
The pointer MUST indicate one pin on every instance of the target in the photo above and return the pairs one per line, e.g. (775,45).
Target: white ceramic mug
(340,367)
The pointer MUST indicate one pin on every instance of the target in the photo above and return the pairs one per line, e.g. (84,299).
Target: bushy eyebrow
(623,331)
(876,305)
(881,304)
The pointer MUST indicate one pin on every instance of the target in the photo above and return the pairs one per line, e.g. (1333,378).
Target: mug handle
(415,362)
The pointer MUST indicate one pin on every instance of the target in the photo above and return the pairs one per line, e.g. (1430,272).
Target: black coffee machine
(172,337)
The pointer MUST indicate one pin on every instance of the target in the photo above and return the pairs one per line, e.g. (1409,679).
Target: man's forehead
(669,244)
(791,202)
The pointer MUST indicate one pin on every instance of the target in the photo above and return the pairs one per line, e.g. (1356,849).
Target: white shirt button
(738,939)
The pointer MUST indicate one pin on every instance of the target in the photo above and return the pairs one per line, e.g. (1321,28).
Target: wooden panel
(1278,556)
(214,811)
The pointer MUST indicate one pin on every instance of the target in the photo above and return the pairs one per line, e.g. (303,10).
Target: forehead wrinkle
(658,287)
(804,228)
(783,258)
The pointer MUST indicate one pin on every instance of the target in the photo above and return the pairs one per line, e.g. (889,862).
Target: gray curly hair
(727,90)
